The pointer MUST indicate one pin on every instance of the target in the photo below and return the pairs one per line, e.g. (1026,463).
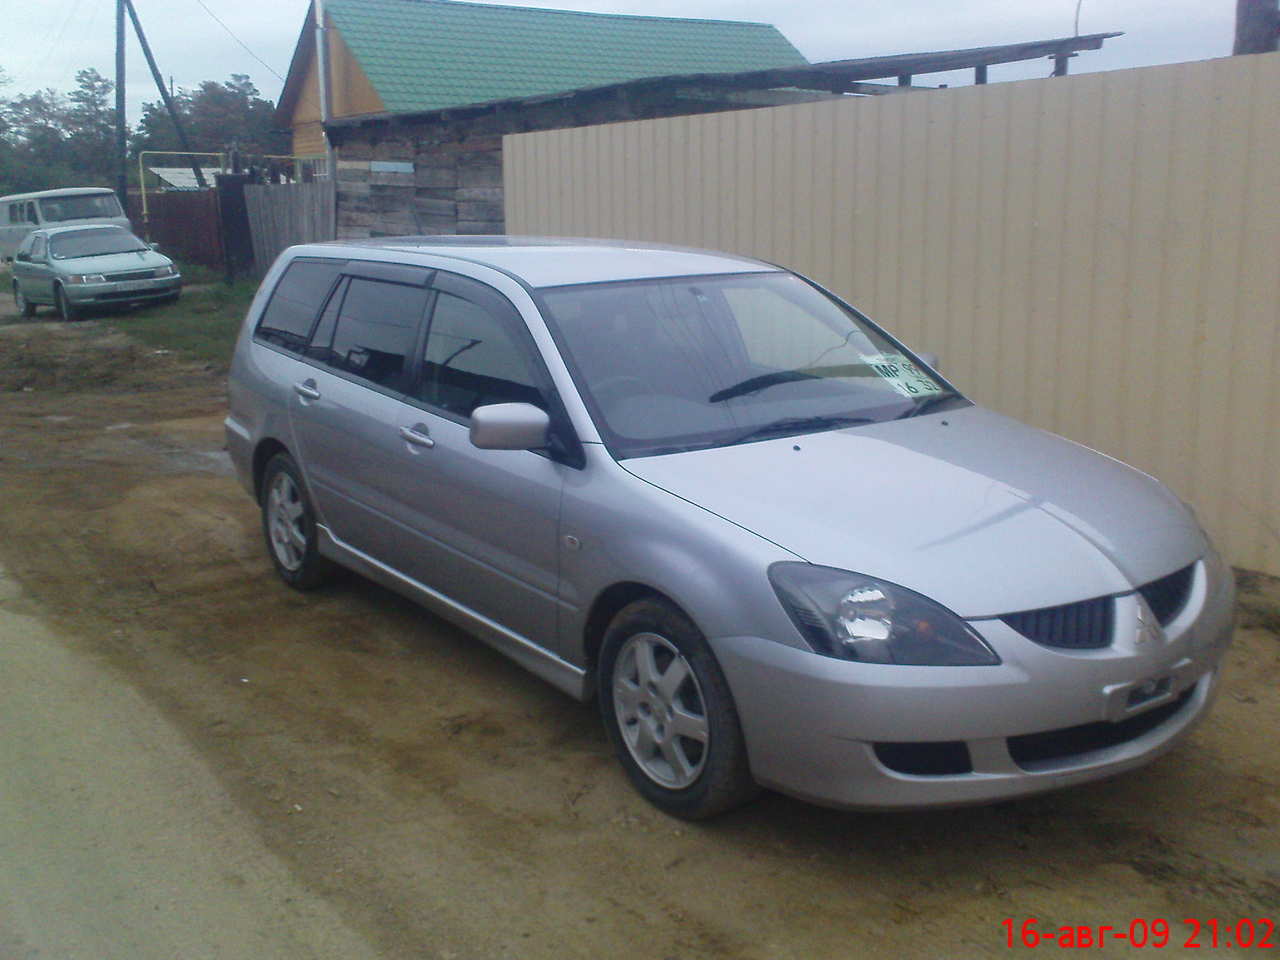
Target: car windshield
(683,364)
(81,207)
(93,243)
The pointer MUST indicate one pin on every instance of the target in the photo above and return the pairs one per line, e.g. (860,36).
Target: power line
(231,34)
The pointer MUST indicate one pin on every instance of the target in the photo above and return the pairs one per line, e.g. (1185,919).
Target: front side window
(472,358)
(375,331)
(98,242)
(83,207)
(286,322)
(37,248)
(687,363)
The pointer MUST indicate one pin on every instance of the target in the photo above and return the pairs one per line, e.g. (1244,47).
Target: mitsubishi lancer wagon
(775,544)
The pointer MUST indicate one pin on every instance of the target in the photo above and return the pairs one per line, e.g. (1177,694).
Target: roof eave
(816,76)
(303,51)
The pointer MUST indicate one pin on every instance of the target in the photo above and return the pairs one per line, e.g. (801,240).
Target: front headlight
(165,271)
(852,617)
(86,278)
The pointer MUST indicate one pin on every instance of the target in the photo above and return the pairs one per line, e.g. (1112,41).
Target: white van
(20,213)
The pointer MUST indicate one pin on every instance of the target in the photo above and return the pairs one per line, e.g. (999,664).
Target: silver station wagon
(775,545)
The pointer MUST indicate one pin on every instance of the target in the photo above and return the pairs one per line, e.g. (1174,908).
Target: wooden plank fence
(287,214)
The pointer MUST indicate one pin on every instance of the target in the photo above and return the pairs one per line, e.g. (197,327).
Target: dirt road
(375,783)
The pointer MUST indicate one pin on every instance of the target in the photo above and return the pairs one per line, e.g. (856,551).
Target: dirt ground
(443,803)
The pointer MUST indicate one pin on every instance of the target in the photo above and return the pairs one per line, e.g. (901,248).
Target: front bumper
(124,292)
(812,724)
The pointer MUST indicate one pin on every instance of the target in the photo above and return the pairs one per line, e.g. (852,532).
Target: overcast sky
(47,41)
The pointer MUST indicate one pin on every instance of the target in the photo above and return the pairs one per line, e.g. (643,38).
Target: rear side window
(295,302)
(375,333)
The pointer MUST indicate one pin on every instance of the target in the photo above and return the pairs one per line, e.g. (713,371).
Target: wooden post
(1257,26)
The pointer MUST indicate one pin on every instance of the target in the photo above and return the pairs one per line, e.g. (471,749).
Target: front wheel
(289,525)
(25,307)
(669,713)
(66,310)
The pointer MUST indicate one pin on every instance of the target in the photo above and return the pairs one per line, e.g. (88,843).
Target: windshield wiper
(759,383)
(766,380)
(790,426)
(100,253)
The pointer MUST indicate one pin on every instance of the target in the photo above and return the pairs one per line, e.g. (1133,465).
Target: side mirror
(931,359)
(509,426)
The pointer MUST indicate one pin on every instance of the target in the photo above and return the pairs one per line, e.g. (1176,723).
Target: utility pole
(164,93)
(1257,26)
(122,148)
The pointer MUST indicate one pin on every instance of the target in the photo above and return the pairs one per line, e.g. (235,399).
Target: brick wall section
(455,183)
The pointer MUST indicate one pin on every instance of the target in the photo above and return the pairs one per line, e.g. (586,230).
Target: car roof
(64,192)
(555,261)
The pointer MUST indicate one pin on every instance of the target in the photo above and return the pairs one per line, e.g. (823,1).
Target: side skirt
(537,660)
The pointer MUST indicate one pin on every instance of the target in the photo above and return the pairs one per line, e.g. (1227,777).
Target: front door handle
(307,390)
(417,435)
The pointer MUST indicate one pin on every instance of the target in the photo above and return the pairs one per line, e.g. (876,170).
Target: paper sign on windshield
(902,374)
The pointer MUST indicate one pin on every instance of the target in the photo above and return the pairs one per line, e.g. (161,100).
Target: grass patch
(198,273)
(203,324)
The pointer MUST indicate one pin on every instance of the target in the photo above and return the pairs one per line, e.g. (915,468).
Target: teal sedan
(90,267)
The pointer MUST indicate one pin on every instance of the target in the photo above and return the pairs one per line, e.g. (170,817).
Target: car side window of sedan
(38,249)
(375,332)
(474,355)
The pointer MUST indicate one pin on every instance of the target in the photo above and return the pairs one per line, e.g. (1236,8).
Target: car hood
(984,514)
(113,263)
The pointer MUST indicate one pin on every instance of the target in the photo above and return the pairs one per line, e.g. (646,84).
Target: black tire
(65,310)
(291,540)
(720,776)
(25,307)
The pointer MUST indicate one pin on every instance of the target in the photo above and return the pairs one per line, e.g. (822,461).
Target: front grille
(1167,596)
(1029,749)
(1076,626)
(134,275)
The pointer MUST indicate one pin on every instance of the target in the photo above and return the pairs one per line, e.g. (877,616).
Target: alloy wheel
(285,514)
(660,710)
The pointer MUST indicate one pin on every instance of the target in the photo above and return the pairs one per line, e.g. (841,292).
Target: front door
(486,521)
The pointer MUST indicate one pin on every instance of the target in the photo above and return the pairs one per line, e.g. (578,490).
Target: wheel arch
(607,605)
(262,454)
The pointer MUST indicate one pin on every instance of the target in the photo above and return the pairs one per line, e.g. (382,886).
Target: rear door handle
(307,390)
(417,435)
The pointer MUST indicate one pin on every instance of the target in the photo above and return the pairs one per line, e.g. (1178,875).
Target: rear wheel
(289,525)
(25,307)
(66,310)
(670,715)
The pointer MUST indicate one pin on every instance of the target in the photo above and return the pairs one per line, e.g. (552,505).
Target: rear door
(347,407)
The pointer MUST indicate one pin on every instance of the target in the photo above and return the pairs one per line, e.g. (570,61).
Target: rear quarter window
(297,298)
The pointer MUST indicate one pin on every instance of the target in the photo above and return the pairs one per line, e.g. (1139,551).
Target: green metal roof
(435,54)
